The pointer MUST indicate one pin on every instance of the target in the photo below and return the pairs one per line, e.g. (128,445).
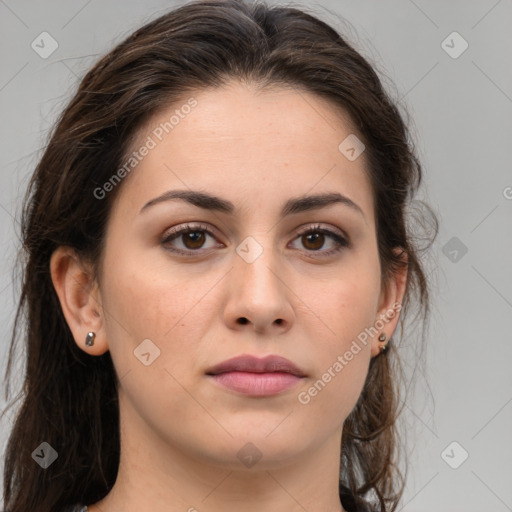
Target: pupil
(315,237)
(194,237)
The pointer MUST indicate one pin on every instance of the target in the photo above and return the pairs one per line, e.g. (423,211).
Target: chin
(245,455)
(254,449)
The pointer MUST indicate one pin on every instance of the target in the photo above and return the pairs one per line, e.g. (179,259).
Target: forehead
(248,144)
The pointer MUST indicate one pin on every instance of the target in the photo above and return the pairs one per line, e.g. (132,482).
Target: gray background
(461,111)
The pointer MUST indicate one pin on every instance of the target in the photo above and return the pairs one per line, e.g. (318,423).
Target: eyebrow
(293,205)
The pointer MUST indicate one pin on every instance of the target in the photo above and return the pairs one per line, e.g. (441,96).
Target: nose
(259,297)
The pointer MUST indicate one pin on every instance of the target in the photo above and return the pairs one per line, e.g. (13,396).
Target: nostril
(243,320)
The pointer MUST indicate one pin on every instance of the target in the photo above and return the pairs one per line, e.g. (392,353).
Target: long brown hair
(69,398)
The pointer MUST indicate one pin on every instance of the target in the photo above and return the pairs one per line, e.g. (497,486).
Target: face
(257,273)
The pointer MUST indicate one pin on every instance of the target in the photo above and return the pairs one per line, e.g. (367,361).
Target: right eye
(192,238)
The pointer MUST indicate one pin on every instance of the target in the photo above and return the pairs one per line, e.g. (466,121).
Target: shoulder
(361,508)
(71,508)
(75,508)
(358,506)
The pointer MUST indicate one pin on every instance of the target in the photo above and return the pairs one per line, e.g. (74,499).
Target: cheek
(347,310)
(347,304)
(148,299)
(153,301)
(342,353)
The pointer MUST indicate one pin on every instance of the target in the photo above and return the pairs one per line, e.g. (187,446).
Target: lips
(255,377)
(251,364)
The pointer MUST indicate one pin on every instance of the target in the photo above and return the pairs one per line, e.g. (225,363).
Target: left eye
(314,237)
(193,238)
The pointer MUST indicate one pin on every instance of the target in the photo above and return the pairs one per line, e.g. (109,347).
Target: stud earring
(384,346)
(89,339)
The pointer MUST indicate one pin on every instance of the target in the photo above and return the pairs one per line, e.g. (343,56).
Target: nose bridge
(259,294)
(258,262)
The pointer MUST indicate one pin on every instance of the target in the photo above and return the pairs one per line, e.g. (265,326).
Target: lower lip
(257,384)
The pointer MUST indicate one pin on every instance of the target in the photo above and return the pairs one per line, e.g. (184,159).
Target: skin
(180,433)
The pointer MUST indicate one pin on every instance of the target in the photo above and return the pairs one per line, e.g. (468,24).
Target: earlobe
(79,299)
(390,306)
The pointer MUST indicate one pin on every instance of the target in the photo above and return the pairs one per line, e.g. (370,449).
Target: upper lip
(252,364)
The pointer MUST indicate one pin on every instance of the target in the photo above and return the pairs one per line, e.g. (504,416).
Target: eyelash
(342,242)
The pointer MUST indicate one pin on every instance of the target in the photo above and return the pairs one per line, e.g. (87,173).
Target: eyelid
(338,235)
(188,227)
(319,227)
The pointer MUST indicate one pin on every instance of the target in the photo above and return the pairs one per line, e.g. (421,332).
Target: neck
(156,475)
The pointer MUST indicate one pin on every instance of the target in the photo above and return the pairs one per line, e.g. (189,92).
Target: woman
(217,262)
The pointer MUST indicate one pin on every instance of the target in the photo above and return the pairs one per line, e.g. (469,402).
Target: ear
(390,304)
(79,298)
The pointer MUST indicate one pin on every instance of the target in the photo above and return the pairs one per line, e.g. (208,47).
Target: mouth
(253,376)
